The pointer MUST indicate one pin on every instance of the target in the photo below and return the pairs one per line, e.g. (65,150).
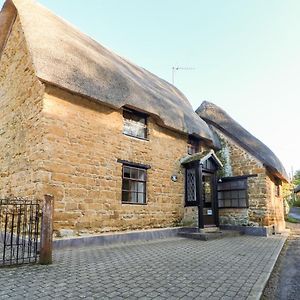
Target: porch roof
(201,157)
(297,189)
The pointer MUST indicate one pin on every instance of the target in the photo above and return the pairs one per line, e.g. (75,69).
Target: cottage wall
(265,208)
(21,97)
(275,205)
(83,141)
(68,146)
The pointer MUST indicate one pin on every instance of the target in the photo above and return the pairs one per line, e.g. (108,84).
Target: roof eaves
(8,16)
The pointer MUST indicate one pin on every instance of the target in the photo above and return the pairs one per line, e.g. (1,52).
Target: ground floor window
(134,185)
(232,193)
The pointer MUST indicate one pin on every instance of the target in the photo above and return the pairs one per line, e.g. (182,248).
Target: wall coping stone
(116,237)
(251,230)
(147,235)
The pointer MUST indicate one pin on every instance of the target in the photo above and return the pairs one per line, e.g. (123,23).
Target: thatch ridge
(217,117)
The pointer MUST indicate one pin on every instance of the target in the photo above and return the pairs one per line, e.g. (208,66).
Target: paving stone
(173,268)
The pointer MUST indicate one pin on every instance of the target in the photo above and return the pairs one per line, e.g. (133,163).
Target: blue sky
(246,55)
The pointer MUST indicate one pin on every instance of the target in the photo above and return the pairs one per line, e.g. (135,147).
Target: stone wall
(68,146)
(275,205)
(83,141)
(21,97)
(265,209)
(190,218)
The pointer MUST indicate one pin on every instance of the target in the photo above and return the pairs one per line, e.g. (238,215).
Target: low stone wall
(234,216)
(251,230)
(116,238)
(190,216)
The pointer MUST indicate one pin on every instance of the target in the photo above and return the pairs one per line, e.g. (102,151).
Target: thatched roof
(297,189)
(67,58)
(216,116)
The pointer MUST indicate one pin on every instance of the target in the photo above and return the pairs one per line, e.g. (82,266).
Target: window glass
(126,185)
(134,173)
(141,198)
(126,172)
(190,194)
(134,185)
(135,124)
(232,193)
(193,145)
(125,196)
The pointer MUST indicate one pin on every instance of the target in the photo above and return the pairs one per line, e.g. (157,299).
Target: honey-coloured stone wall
(83,141)
(57,143)
(265,208)
(21,95)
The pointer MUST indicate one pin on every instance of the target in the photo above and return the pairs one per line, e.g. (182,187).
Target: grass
(292,220)
(295,200)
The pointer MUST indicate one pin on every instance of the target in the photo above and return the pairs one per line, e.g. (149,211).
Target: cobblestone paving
(177,268)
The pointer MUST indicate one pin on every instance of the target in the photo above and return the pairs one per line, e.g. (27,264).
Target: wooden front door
(209,199)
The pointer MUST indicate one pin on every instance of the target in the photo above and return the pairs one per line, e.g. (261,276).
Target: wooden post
(199,197)
(47,231)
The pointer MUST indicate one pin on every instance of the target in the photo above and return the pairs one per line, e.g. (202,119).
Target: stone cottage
(250,182)
(112,142)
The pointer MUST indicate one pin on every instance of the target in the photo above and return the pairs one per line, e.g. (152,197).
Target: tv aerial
(175,69)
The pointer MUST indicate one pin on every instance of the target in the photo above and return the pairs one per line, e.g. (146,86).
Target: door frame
(214,199)
(205,162)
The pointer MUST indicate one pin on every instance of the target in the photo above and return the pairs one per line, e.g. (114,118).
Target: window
(135,124)
(232,193)
(193,145)
(134,185)
(190,194)
(277,190)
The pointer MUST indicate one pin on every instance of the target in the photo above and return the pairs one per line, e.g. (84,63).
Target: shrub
(296,202)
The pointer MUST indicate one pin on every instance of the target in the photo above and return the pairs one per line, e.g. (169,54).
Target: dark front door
(208,197)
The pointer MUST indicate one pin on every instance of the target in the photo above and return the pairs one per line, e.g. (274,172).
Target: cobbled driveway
(177,268)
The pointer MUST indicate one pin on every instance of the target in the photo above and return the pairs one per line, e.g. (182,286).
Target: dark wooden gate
(20,222)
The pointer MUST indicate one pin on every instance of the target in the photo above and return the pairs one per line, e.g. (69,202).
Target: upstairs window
(193,145)
(134,185)
(277,190)
(135,124)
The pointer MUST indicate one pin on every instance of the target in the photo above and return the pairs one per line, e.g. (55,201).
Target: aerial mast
(174,69)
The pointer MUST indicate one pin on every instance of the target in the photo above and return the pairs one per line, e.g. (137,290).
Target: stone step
(207,236)
(211,229)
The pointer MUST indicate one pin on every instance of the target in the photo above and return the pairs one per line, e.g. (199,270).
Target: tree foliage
(296,178)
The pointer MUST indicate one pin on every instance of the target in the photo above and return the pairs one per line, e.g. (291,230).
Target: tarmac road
(295,213)
(284,283)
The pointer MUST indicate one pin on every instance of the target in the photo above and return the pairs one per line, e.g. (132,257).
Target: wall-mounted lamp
(174,178)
